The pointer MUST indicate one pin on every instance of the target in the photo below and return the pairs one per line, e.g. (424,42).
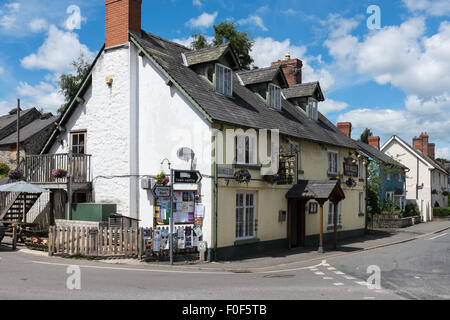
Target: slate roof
(6,120)
(316,189)
(259,75)
(303,90)
(375,153)
(206,55)
(31,129)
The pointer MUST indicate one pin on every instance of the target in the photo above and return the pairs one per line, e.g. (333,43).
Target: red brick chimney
(121,16)
(346,128)
(374,141)
(292,69)
(421,144)
(431,150)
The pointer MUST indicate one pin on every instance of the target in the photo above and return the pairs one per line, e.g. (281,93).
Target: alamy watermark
(374,280)
(374,20)
(73,281)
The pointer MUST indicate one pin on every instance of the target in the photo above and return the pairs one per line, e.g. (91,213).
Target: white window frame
(390,195)
(388,177)
(313,109)
(274,96)
(244,216)
(331,214)
(223,76)
(361,202)
(244,144)
(330,160)
(399,177)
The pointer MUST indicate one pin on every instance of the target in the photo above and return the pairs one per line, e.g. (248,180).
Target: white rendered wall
(396,151)
(106,117)
(167,122)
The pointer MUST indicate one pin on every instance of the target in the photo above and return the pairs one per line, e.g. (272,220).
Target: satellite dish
(185,154)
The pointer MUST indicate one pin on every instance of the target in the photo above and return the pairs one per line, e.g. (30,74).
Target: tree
(365,135)
(199,41)
(227,32)
(70,83)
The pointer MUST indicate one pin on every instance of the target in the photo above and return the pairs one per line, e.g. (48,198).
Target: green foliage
(227,32)
(365,135)
(441,212)
(4,168)
(70,83)
(411,209)
(199,41)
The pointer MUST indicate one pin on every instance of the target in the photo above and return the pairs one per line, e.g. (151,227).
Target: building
(148,104)
(35,128)
(426,182)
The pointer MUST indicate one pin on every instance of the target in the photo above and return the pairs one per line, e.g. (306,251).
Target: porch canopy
(23,187)
(321,191)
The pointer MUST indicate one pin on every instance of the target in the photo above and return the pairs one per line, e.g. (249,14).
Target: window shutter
(252,150)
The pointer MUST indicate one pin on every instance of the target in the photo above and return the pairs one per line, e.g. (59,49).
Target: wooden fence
(94,241)
(105,242)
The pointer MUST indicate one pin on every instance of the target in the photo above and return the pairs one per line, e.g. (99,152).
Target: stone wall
(389,223)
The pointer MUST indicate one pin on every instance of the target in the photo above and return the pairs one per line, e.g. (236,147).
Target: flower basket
(242,176)
(59,173)
(162,179)
(15,174)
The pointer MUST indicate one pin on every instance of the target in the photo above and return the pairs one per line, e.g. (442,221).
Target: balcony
(38,169)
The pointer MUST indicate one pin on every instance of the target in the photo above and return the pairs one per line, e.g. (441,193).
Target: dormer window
(274,99)
(313,112)
(224,80)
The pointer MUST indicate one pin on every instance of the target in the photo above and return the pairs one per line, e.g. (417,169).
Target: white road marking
(339,272)
(319,273)
(314,269)
(363,283)
(338,284)
(331,268)
(349,278)
(327,278)
(441,235)
(369,298)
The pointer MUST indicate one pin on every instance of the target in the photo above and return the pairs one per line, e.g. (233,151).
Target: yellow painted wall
(271,198)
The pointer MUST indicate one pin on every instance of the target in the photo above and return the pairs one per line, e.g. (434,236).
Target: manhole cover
(279,276)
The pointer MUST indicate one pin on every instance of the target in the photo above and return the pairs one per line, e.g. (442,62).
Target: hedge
(441,212)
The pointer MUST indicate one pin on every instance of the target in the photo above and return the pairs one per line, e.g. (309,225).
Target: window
(313,207)
(224,80)
(246,149)
(390,195)
(400,177)
(274,96)
(245,215)
(361,202)
(331,215)
(78,142)
(313,109)
(333,163)
(388,177)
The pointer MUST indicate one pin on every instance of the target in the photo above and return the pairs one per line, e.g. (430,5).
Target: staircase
(14,209)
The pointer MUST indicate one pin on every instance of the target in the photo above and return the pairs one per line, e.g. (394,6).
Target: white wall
(105,116)
(167,122)
(398,152)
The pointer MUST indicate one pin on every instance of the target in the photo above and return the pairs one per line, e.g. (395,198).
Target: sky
(383,65)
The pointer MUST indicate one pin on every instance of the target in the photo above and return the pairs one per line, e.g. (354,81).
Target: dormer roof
(310,89)
(270,75)
(213,54)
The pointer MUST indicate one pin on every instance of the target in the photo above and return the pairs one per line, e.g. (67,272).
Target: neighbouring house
(35,129)
(427,181)
(147,103)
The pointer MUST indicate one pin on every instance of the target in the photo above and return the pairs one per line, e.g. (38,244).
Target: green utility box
(97,212)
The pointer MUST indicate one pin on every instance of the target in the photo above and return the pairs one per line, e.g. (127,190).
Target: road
(418,269)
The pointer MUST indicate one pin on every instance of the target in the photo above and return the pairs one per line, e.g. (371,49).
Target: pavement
(413,264)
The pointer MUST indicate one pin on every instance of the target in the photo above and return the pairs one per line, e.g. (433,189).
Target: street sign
(187,176)
(161,191)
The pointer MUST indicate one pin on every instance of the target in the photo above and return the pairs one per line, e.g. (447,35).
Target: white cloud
(197,3)
(205,20)
(43,95)
(433,8)
(2,70)
(267,50)
(443,153)
(38,25)
(253,20)
(330,106)
(57,52)
(8,19)
(289,12)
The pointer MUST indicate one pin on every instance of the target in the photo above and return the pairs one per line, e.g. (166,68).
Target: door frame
(301,222)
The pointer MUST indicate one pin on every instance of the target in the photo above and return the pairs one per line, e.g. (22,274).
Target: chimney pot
(374,141)
(121,16)
(292,69)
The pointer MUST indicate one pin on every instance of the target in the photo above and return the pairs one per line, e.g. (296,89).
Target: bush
(441,212)
(411,210)
(4,168)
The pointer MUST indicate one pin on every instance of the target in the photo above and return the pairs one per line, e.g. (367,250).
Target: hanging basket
(15,174)
(59,173)
(242,176)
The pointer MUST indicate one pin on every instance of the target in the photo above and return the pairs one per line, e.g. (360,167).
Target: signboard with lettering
(187,176)
(350,168)
(161,191)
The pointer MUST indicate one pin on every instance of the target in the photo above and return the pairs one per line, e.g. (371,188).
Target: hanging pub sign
(350,168)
